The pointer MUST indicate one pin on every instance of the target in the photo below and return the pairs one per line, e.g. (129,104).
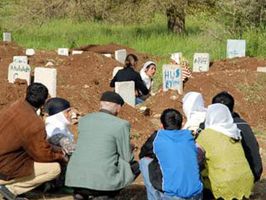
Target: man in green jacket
(102,163)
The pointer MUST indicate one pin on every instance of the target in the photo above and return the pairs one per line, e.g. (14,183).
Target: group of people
(214,154)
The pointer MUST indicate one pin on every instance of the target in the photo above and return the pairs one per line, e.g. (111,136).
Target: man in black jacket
(249,142)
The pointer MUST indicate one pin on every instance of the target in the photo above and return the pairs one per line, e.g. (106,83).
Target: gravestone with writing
(172,78)
(7,37)
(201,62)
(19,70)
(120,55)
(116,69)
(63,51)
(176,57)
(20,59)
(236,48)
(30,52)
(46,76)
(126,90)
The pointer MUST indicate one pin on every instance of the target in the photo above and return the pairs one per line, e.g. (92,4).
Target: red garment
(23,141)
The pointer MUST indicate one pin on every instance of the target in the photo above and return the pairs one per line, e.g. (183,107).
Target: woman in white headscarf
(147,72)
(227,173)
(194,110)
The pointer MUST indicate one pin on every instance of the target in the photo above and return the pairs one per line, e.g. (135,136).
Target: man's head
(36,95)
(224,98)
(112,102)
(171,119)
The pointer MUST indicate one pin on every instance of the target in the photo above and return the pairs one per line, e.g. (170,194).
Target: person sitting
(103,162)
(147,72)
(249,142)
(227,174)
(168,161)
(57,124)
(129,74)
(26,158)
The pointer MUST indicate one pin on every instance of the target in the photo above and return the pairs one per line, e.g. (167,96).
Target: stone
(6,37)
(30,52)
(19,71)
(63,51)
(46,76)
(76,52)
(176,57)
(261,69)
(201,62)
(108,55)
(172,78)
(126,89)
(236,48)
(120,55)
(115,70)
(20,59)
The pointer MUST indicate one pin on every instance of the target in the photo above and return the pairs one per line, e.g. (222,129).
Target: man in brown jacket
(26,158)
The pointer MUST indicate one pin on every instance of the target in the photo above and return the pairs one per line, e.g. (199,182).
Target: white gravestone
(115,70)
(172,78)
(46,76)
(201,62)
(176,57)
(30,52)
(76,52)
(19,70)
(7,37)
(236,48)
(261,69)
(20,59)
(63,51)
(120,55)
(126,90)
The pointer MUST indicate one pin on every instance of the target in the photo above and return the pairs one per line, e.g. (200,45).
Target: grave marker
(236,48)
(126,90)
(176,57)
(7,37)
(201,62)
(172,78)
(46,76)
(115,70)
(19,70)
(63,51)
(120,55)
(30,52)
(108,55)
(76,52)
(261,69)
(20,59)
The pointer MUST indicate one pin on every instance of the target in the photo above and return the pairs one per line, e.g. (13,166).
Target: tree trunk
(176,19)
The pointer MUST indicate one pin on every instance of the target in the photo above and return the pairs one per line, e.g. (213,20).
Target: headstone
(126,90)
(63,51)
(172,78)
(30,52)
(19,70)
(116,69)
(201,62)
(76,52)
(176,57)
(7,37)
(120,55)
(46,76)
(261,69)
(20,59)
(236,48)
(108,55)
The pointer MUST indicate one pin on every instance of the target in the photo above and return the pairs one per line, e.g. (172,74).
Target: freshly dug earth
(82,78)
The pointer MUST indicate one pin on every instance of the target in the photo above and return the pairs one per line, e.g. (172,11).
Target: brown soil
(82,78)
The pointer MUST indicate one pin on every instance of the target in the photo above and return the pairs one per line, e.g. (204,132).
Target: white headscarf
(56,124)
(146,79)
(219,118)
(195,112)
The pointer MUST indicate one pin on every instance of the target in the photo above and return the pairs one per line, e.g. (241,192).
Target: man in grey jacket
(102,163)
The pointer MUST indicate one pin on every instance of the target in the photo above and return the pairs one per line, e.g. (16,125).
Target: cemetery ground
(82,78)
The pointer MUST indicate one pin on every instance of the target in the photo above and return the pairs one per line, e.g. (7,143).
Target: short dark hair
(131,60)
(171,119)
(36,94)
(224,98)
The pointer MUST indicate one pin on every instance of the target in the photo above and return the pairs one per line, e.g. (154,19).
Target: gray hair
(110,106)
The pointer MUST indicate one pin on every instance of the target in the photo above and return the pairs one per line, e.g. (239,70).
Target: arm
(141,86)
(147,148)
(112,83)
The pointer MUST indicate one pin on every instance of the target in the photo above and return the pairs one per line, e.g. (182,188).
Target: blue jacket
(176,154)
